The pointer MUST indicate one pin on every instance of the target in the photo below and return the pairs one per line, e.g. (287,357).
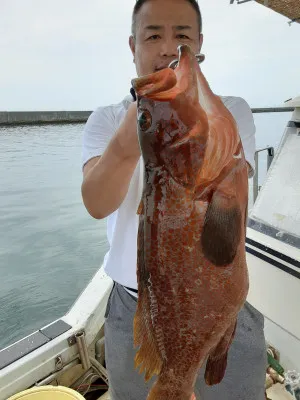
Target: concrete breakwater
(69,117)
(42,117)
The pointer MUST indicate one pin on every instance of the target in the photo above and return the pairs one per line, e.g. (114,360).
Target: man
(112,188)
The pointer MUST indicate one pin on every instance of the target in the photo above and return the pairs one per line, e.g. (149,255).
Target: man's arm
(106,179)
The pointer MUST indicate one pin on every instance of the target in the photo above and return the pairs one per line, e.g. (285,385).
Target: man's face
(162,25)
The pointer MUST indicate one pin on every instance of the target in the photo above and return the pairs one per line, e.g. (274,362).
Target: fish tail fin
(164,391)
(217,360)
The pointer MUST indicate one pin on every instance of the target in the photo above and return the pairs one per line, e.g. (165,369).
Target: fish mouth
(167,82)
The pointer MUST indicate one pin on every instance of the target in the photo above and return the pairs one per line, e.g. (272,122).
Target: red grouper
(191,260)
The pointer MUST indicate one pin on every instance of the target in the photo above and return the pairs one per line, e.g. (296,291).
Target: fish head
(168,105)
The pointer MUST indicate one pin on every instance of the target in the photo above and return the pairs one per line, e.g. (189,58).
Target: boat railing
(270,156)
(269,149)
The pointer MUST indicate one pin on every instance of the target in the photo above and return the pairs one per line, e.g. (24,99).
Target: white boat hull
(275,293)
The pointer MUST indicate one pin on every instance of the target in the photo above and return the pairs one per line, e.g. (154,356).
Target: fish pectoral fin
(217,360)
(222,228)
(148,356)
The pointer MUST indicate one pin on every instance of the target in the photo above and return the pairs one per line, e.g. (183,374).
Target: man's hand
(127,137)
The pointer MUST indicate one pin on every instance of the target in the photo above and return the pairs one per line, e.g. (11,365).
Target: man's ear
(200,41)
(132,45)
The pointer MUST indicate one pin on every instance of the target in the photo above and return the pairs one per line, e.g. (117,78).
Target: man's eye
(182,37)
(154,37)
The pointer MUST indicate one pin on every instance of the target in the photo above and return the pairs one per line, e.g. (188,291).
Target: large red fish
(191,268)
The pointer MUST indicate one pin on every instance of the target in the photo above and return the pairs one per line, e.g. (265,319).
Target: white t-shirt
(122,225)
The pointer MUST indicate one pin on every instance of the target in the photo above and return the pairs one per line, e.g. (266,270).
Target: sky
(74,54)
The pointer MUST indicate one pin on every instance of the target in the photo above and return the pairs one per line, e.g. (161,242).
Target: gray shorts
(247,358)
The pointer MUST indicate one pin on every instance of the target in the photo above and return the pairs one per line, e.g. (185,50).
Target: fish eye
(144,120)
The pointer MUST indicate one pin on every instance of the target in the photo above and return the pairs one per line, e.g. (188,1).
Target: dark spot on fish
(144,120)
(221,233)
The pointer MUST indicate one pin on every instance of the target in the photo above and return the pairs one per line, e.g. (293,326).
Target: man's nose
(168,48)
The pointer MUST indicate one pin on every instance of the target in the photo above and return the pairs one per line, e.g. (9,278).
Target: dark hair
(139,4)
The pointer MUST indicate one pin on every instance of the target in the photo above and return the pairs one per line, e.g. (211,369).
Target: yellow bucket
(48,393)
